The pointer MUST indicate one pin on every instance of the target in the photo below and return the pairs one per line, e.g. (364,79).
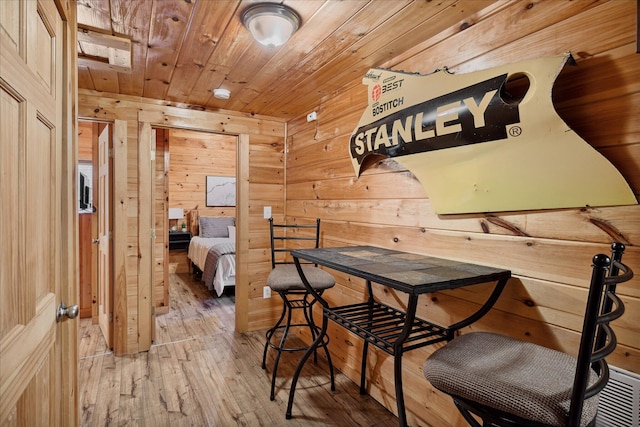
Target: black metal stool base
(293,300)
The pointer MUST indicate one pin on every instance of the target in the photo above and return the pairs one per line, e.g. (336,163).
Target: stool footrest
(271,332)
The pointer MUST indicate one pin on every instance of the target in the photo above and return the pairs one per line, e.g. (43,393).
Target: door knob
(95,241)
(64,311)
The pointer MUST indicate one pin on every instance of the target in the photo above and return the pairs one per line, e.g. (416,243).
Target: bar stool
(285,280)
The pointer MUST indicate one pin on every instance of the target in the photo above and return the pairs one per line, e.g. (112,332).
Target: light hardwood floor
(200,372)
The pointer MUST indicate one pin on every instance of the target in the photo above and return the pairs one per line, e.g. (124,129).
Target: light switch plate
(267,212)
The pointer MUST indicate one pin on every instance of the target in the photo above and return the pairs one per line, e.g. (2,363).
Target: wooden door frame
(118,220)
(119,235)
(148,121)
(146,235)
(95,129)
(69,277)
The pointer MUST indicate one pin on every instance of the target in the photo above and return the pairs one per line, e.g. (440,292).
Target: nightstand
(179,240)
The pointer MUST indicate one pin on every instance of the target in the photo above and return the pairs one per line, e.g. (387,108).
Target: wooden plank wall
(262,148)
(549,252)
(84,259)
(193,156)
(85,141)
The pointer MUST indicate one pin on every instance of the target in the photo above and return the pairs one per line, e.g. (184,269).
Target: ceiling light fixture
(221,93)
(271,24)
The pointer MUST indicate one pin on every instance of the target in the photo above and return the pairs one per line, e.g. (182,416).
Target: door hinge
(153,311)
(110,317)
(153,233)
(110,152)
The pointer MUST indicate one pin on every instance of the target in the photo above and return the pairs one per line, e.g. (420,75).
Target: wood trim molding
(147,121)
(242,237)
(119,238)
(145,235)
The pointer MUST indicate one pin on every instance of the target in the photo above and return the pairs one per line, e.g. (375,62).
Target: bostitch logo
(378,108)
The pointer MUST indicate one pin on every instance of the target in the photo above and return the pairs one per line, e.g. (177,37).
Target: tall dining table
(393,330)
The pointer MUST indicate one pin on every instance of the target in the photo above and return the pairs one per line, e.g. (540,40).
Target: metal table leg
(363,371)
(365,348)
(397,358)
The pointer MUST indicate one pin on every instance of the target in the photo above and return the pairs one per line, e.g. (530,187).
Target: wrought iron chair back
(282,234)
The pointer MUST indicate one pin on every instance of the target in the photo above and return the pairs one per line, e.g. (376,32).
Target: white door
(38,218)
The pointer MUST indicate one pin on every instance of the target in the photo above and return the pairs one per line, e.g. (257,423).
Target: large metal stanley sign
(475,151)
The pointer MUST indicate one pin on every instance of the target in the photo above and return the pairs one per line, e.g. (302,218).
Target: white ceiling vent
(620,400)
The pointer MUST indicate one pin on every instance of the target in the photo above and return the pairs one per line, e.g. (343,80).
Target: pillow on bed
(215,226)
(232,232)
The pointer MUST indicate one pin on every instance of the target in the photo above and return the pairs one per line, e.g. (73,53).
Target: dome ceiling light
(271,24)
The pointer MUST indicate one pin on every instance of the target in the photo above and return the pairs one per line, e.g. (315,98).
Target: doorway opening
(94,210)
(182,162)
(185,162)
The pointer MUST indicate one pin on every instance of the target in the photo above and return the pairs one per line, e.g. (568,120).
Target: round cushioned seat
(286,278)
(500,372)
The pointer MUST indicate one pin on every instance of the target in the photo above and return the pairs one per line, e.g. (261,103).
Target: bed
(212,251)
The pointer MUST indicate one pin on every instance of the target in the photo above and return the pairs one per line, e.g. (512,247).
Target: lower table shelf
(381,325)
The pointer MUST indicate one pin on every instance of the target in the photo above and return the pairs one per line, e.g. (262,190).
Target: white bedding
(226,272)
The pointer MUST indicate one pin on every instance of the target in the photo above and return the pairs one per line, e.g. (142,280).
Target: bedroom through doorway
(194,197)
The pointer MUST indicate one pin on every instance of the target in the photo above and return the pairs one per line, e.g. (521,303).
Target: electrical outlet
(312,116)
(266,292)
(267,212)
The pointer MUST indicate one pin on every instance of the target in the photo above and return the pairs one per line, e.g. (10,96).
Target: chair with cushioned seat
(285,280)
(508,382)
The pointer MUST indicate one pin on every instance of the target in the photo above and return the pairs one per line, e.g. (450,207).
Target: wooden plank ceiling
(183,49)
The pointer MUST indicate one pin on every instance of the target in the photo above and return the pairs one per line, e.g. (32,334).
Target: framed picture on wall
(221,191)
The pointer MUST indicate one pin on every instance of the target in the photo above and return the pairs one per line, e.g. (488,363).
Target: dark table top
(408,272)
